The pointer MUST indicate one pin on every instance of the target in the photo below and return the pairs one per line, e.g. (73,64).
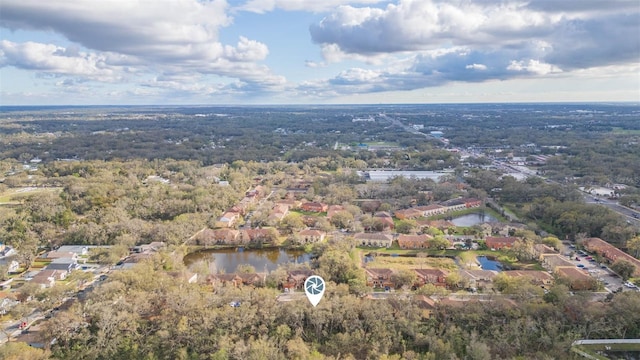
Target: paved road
(12,329)
(633,217)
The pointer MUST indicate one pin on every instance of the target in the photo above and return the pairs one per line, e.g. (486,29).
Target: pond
(489,264)
(472,219)
(227,260)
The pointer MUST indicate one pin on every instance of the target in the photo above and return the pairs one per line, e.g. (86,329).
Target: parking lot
(612,282)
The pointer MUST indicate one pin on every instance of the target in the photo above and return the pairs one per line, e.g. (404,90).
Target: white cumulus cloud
(476,67)
(133,37)
(262,6)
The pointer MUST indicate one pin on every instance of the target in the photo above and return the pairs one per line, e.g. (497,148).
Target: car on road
(580,266)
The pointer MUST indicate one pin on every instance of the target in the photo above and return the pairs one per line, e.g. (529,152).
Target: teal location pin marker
(314,288)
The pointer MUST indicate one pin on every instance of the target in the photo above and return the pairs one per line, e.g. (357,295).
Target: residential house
(503,229)
(472,202)
(236,279)
(542,249)
(309,220)
(218,236)
(256,236)
(314,207)
(454,204)
(478,279)
(431,210)
(5,285)
(218,280)
(278,212)
(576,278)
(257,192)
(150,247)
(47,278)
(184,276)
(426,304)
(132,260)
(60,254)
(385,218)
(497,243)
(374,239)
(311,236)
(63,264)
(370,206)
(7,301)
(228,219)
(610,252)
(299,186)
(253,279)
(436,277)
(7,251)
(13,266)
(80,250)
(296,278)
(334,209)
(379,278)
(290,203)
(241,207)
(536,277)
(411,213)
(414,241)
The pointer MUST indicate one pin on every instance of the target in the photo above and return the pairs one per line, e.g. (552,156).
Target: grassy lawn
(593,349)
(467,258)
(308,213)
(39,264)
(403,262)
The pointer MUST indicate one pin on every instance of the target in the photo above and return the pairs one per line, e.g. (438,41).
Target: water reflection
(472,219)
(228,260)
(489,264)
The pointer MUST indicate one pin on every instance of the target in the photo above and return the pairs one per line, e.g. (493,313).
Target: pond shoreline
(228,258)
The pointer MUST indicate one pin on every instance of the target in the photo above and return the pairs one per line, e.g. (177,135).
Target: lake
(472,219)
(488,264)
(227,260)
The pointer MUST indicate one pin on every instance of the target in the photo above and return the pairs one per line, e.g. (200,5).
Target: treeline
(117,203)
(574,219)
(555,208)
(144,313)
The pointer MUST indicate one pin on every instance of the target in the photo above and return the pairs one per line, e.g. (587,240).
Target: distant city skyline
(143,52)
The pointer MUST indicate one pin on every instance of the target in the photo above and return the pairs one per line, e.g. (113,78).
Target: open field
(610,349)
(13,196)
(406,262)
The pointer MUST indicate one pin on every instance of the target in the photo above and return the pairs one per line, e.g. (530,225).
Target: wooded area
(129,176)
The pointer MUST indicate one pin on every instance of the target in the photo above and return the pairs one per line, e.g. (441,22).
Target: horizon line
(332,104)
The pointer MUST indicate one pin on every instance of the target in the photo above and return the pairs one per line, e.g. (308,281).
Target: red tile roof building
(498,243)
(414,241)
(610,252)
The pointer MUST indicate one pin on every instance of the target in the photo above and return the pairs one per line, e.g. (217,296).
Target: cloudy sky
(317,51)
